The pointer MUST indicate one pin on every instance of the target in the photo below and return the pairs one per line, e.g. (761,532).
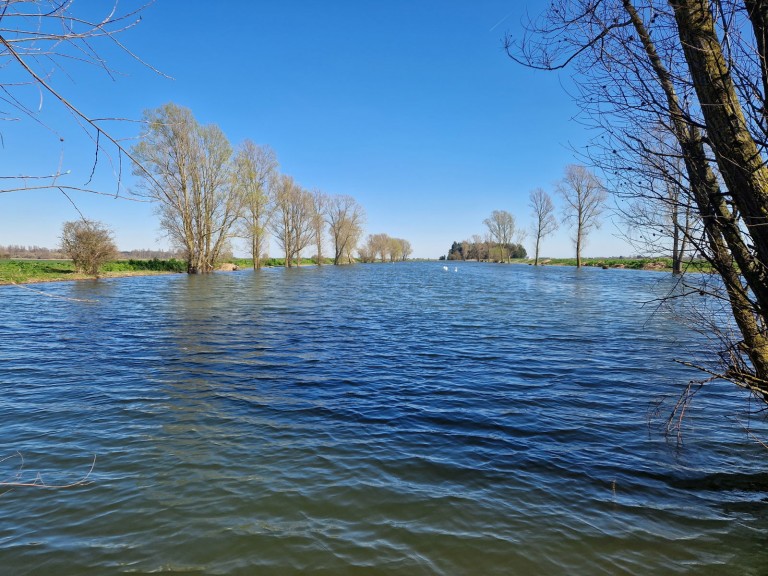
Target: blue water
(373,419)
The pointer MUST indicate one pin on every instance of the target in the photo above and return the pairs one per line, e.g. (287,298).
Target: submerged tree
(319,207)
(187,169)
(385,248)
(88,244)
(345,224)
(293,221)
(255,174)
(584,197)
(544,221)
(697,69)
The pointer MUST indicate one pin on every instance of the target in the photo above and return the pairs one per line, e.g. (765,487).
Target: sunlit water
(374,419)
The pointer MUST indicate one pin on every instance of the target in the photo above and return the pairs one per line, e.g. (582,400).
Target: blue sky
(412,107)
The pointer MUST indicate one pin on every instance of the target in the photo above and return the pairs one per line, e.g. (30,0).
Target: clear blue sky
(412,107)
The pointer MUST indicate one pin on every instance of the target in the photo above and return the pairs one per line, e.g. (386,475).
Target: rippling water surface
(375,419)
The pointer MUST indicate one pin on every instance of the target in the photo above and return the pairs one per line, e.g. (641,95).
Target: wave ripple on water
(370,419)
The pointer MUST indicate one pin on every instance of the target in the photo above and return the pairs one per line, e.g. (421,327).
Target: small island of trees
(485,251)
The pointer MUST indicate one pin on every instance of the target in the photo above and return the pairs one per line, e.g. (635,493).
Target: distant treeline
(488,251)
(39,253)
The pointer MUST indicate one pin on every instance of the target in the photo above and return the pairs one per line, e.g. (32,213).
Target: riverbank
(659,264)
(33,271)
(20,271)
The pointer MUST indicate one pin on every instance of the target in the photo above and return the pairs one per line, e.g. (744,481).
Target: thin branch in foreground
(38,482)
(50,296)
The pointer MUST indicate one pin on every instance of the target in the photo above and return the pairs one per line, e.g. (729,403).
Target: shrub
(88,244)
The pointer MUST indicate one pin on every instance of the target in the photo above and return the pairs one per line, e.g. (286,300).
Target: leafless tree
(544,221)
(345,224)
(405,248)
(658,208)
(292,225)
(187,169)
(395,249)
(501,227)
(478,247)
(697,68)
(379,244)
(88,244)
(255,175)
(319,208)
(365,251)
(585,198)
(385,248)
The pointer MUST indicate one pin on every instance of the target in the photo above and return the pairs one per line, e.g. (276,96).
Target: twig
(38,482)
(51,296)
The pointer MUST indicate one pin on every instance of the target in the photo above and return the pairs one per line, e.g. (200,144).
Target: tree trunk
(578,245)
(677,264)
(738,158)
(745,176)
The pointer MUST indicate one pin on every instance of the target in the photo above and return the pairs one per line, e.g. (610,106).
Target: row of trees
(584,198)
(384,248)
(207,193)
(30,252)
(677,91)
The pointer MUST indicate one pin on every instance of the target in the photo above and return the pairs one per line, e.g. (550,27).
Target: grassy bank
(660,263)
(15,271)
(27,271)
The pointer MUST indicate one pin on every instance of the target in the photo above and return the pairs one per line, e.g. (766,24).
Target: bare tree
(292,225)
(39,38)
(478,247)
(345,225)
(187,169)
(658,209)
(379,244)
(465,248)
(585,198)
(698,69)
(319,207)
(544,221)
(395,249)
(88,244)
(501,227)
(365,252)
(405,248)
(385,248)
(255,174)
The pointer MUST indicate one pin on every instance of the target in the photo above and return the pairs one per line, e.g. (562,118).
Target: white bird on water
(445,268)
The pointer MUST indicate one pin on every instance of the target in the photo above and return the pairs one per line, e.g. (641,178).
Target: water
(375,419)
